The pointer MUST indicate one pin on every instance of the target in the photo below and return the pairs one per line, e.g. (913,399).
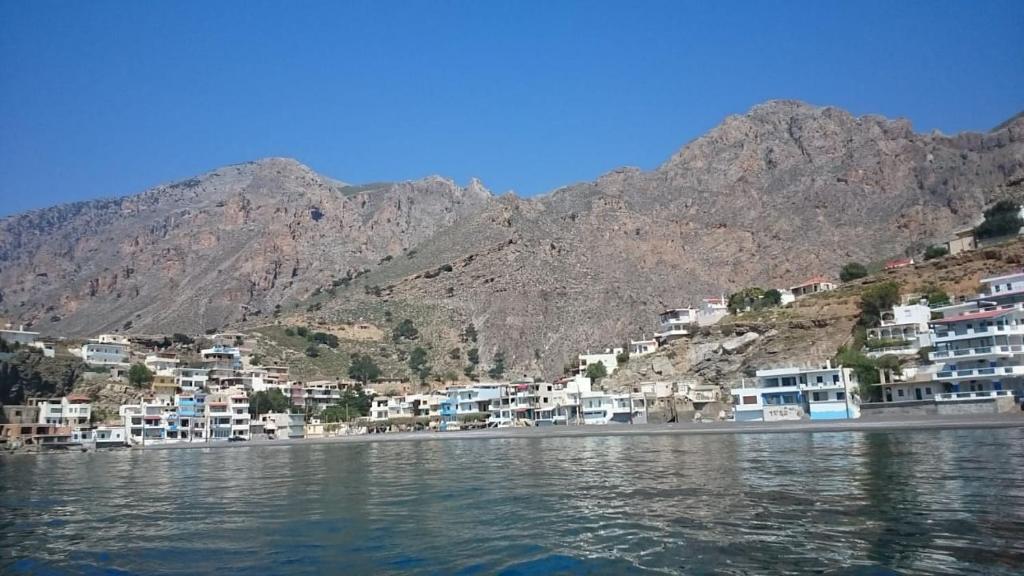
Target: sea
(849,503)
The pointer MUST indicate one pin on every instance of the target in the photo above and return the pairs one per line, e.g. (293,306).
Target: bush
(455,353)
(139,375)
(498,366)
(935,251)
(405,330)
(875,300)
(473,356)
(418,364)
(179,338)
(596,371)
(302,331)
(1002,219)
(622,357)
(363,369)
(324,338)
(852,271)
(312,350)
(289,332)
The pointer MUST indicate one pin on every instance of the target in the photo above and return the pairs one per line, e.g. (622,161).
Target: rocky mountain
(767,198)
(221,247)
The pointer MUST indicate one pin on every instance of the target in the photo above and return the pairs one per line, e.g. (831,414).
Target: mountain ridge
(785,191)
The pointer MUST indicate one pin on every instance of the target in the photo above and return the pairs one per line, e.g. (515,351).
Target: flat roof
(1003,277)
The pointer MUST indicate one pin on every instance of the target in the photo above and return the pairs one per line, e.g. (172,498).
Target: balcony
(974,373)
(980,332)
(954,396)
(979,352)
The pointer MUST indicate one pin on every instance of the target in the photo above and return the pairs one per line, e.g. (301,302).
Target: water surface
(933,502)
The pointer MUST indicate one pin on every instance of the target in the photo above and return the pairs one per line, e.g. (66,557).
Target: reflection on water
(845,503)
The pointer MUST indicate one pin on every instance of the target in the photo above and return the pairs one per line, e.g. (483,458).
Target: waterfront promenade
(881,424)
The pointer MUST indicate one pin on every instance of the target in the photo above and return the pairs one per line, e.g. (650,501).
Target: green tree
(497,366)
(324,338)
(771,298)
(139,375)
(418,364)
(363,369)
(622,357)
(1002,219)
(596,371)
(935,295)
(289,332)
(179,338)
(875,300)
(272,400)
(352,404)
(747,298)
(469,334)
(302,331)
(935,251)
(312,350)
(852,271)
(473,356)
(405,330)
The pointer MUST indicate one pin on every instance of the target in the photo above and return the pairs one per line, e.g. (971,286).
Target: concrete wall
(911,408)
(931,408)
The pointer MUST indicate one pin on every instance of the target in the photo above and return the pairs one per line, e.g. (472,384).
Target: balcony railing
(980,331)
(979,372)
(953,396)
(979,351)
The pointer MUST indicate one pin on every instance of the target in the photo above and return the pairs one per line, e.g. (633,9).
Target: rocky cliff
(780,193)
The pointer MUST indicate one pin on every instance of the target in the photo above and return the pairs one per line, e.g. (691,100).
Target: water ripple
(948,502)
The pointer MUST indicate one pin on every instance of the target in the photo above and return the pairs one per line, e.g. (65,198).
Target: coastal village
(925,353)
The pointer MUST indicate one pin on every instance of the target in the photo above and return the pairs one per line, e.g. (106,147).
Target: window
(816,396)
(840,395)
(835,378)
(750,399)
(821,379)
(928,391)
(899,392)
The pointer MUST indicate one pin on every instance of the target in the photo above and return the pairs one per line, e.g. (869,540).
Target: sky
(102,99)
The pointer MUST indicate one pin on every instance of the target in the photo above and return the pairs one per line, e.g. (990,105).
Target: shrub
(852,271)
(363,369)
(596,371)
(139,375)
(875,300)
(324,338)
(405,330)
(498,366)
(312,350)
(1002,219)
(935,251)
(302,331)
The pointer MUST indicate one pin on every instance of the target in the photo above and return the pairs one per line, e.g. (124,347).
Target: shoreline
(892,424)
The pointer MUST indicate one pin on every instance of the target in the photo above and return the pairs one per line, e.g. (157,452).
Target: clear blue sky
(109,98)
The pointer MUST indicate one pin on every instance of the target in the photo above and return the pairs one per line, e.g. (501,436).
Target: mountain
(768,198)
(220,247)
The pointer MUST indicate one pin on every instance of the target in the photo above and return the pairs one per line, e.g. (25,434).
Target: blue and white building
(979,344)
(796,393)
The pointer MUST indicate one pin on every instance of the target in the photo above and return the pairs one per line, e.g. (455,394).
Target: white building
(107,350)
(609,358)
(162,361)
(979,344)
(227,412)
(280,425)
(642,347)
(793,393)
(812,286)
(19,336)
(903,331)
(71,410)
(676,323)
(606,408)
(712,310)
(192,379)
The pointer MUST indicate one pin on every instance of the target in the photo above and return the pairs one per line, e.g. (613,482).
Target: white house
(902,331)
(676,323)
(609,358)
(162,361)
(71,410)
(642,347)
(19,336)
(107,350)
(812,285)
(712,310)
